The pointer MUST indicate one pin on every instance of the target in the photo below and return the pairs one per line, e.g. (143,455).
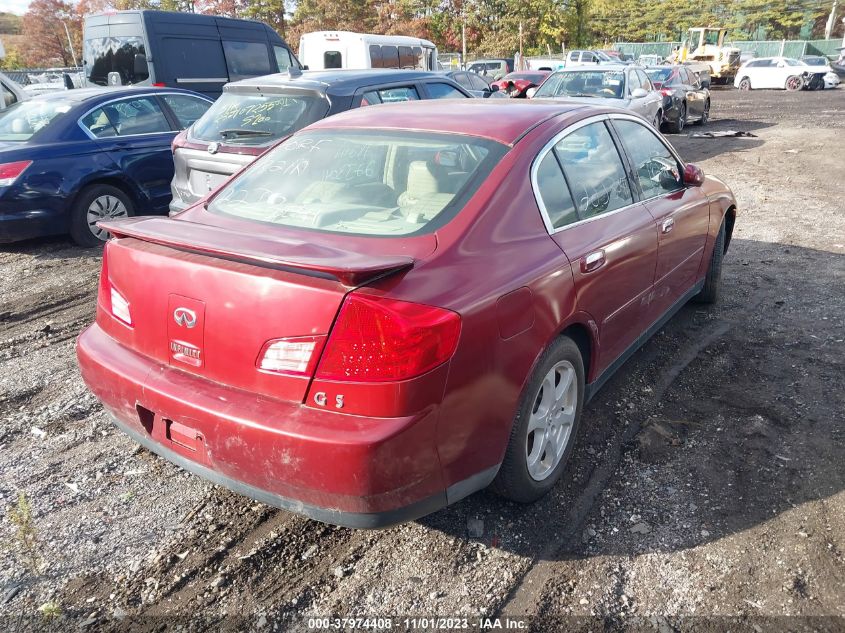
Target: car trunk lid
(209,300)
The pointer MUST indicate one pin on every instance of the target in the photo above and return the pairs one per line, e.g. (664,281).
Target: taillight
(666,92)
(179,140)
(376,340)
(159,84)
(9,172)
(110,297)
(294,355)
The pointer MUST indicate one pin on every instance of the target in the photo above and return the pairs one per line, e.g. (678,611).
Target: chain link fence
(760,48)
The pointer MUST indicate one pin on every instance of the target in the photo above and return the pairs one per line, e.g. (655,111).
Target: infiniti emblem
(184,316)
(213,147)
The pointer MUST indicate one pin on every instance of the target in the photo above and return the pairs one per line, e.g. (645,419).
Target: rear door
(136,134)
(694,95)
(681,214)
(608,237)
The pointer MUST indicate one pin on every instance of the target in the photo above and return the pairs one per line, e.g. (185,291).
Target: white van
(322,50)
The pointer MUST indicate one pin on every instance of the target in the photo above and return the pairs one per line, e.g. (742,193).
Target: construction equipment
(706,45)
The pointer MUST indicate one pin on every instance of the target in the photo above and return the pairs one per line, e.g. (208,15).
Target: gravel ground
(707,489)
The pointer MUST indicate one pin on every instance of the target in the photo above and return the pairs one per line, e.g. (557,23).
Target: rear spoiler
(348,267)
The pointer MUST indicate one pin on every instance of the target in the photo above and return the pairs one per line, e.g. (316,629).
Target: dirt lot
(707,489)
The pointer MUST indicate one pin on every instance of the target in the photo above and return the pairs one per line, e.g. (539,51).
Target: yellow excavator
(706,46)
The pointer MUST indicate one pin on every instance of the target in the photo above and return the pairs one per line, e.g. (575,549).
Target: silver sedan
(615,85)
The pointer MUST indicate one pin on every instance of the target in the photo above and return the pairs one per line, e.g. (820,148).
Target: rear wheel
(713,281)
(658,118)
(794,83)
(676,127)
(95,203)
(745,84)
(546,423)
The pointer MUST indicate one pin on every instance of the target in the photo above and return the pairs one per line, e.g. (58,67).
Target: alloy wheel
(105,207)
(551,421)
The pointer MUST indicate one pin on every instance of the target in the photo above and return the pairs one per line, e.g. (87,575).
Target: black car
(475,84)
(254,114)
(685,100)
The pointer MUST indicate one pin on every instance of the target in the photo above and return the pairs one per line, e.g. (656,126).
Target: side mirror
(693,176)
(139,67)
(305,67)
(68,82)
(530,93)
(639,93)
(494,88)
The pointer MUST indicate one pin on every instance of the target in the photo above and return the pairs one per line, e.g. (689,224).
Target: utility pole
(70,44)
(521,61)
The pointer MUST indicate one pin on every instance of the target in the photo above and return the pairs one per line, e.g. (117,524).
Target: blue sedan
(69,159)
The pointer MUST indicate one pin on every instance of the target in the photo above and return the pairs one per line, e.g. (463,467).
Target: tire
(713,280)
(794,83)
(745,84)
(705,116)
(658,118)
(94,203)
(676,127)
(520,477)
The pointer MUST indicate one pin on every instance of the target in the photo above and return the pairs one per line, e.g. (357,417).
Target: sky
(14,6)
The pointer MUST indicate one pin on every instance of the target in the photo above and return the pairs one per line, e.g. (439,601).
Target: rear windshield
(659,74)
(20,121)
(104,55)
(257,119)
(376,183)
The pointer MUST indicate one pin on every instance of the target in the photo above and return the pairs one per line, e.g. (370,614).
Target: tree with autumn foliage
(45,41)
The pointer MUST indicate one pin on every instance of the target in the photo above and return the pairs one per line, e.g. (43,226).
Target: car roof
(501,120)
(337,81)
(600,67)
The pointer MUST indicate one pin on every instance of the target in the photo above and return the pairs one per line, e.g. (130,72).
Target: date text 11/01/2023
(418,623)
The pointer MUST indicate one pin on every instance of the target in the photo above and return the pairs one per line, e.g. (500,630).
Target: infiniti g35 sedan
(399,306)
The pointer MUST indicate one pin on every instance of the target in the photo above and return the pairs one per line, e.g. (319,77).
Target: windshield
(584,83)
(535,77)
(376,183)
(106,55)
(22,120)
(258,119)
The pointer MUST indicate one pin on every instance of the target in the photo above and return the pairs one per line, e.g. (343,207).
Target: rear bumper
(22,224)
(336,468)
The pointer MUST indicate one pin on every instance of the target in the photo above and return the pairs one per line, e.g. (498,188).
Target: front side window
(477,83)
(20,121)
(437,90)
(594,171)
(645,83)
(657,169)
(256,119)
(332,59)
(385,183)
(283,58)
(573,56)
(105,55)
(187,109)
(126,118)
(246,59)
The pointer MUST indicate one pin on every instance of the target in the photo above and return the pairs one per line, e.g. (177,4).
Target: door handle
(593,261)
(668,225)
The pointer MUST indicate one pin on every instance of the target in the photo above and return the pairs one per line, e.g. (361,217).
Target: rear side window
(390,95)
(246,59)
(332,59)
(594,171)
(383,183)
(187,109)
(126,118)
(554,192)
(437,90)
(247,119)
(375,56)
(192,59)
(389,57)
(477,82)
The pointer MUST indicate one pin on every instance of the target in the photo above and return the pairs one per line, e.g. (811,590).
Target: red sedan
(516,84)
(401,305)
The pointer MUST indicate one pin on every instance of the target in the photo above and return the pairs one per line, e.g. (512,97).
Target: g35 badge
(320,399)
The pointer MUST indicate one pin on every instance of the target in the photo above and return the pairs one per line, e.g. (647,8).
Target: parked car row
(786,73)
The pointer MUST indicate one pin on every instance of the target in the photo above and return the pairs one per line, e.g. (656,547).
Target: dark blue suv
(69,159)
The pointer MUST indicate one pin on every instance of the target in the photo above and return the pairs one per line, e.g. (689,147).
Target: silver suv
(254,114)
